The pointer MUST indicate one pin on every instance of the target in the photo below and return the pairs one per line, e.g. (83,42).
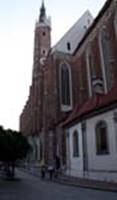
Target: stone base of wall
(74,173)
(94,175)
(103,176)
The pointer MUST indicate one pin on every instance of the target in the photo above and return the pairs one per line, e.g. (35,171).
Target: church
(70,116)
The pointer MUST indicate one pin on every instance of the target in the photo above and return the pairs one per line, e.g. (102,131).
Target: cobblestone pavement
(32,188)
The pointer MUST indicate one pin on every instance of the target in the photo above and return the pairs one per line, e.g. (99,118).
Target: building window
(101,138)
(88,21)
(115,24)
(106,57)
(75,144)
(88,73)
(98,85)
(65,85)
(68,46)
(85,27)
(91,73)
(95,83)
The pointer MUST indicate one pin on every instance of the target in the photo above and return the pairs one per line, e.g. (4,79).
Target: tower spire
(42,12)
(43,3)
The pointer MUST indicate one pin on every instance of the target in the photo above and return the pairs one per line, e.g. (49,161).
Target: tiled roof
(92,104)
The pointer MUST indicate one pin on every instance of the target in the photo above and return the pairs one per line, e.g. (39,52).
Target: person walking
(43,171)
(51,171)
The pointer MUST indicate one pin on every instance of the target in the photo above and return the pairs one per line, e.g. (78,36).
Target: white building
(92,138)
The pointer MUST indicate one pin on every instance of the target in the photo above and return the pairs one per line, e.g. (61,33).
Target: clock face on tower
(43,55)
(42,60)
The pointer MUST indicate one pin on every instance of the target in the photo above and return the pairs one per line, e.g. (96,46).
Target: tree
(13,147)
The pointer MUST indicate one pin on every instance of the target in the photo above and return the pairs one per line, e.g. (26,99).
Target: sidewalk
(80,182)
(86,183)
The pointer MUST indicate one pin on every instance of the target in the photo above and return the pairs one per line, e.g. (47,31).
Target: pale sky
(17,22)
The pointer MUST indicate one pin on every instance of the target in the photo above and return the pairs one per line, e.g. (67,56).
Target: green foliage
(13,145)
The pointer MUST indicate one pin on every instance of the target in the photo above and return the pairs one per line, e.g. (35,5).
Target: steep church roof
(68,44)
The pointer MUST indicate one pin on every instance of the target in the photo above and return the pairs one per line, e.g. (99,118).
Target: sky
(17,23)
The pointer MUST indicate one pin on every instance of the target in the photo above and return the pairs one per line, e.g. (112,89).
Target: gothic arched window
(115,24)
(106,56)
(101,138)
(95,82)
(90,70)
(75,144)
(65,85)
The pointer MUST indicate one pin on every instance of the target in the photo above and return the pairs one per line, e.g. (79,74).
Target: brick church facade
(67,75)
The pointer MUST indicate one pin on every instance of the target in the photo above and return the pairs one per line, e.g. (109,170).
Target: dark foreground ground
(30,187)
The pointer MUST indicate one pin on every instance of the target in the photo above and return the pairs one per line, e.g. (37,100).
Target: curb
(81,185)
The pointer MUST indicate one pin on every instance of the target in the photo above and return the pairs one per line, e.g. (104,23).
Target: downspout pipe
(84,148)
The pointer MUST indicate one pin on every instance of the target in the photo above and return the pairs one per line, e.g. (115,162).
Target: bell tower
(42,40)
(42,45)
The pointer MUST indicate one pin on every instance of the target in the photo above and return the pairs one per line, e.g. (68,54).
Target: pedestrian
(51,171)
(43,171)
(57,164)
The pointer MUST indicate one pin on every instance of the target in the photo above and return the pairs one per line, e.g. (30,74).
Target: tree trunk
(13,169)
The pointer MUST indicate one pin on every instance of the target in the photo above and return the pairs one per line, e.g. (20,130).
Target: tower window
(43,52)
(43,33)
(68,46)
